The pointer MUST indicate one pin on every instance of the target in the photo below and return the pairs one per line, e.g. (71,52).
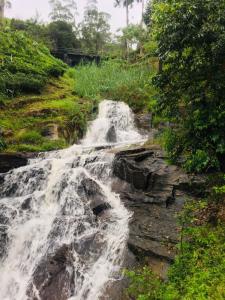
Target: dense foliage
(51,120)
(94,30)
(191,46)
(115,80)
(25,64)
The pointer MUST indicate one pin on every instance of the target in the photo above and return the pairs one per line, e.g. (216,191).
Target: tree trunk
(127,15)
(127,12)
(2,10)
(143,9)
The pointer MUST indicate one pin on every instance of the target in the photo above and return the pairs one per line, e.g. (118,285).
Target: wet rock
(99,209)
(25,183)
(144,121)
(155,193)
(26,203)
(54,277)
(6,215)
(51,132)
(10,161)
(93,193)
(111,135)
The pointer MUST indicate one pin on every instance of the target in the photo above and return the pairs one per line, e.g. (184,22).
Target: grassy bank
(117,81)
(38,108)
(27,121)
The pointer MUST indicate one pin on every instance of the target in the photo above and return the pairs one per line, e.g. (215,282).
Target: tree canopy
(95,29)
(63,10)
(191,45)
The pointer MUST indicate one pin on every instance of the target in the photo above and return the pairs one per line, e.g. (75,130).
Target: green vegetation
(25,64)
(115,80)
(190,43)
(185,40)
(25,119)
(188,38)
(199,270)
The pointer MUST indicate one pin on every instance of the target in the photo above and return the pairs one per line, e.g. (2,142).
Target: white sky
(25,9)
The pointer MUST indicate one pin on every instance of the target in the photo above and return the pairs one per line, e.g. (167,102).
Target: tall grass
(116,81)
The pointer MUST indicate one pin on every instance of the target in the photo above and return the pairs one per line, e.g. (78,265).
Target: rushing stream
(47,215)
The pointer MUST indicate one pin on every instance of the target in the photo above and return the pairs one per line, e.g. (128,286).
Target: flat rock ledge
(9,161)
(155,193)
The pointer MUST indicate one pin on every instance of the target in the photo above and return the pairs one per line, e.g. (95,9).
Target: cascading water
(53,244)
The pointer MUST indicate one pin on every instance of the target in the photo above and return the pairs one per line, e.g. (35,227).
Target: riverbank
(57,116)
(50,120)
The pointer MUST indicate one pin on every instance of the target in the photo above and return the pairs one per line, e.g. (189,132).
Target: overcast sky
(25,9)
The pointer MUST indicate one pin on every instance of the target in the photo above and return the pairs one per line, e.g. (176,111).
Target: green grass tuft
(115,80)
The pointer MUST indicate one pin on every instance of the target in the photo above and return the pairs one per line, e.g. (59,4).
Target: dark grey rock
(155,193)
(144,121)
(92,192)
(10,161)
(54,276)
(99,209)
(111,135)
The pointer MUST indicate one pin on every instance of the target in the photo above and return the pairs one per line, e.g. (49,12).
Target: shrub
(144,285)
(2,144)
(200,161)
(30,137)
(190,38)
(25,65)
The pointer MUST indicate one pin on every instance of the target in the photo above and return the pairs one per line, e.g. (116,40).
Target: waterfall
(51,238)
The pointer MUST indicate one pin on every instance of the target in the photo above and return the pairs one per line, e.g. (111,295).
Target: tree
(4,4)
(147,14)
(62,36)
(95,28)
(63,10)
(38,31)
(191,44)
(135,35)
(127,4)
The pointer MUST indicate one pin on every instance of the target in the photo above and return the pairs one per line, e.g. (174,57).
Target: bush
(191,46)
(144,285)
(200,161)
(2,144)
(30,137)
(25,65)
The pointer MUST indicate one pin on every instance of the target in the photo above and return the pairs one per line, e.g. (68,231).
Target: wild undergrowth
(26,120)
(116,80)
(198,271)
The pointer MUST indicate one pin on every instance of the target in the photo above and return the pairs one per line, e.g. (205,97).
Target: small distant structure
(74,57)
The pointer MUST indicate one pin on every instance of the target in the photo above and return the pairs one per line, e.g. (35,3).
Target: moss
(24,118)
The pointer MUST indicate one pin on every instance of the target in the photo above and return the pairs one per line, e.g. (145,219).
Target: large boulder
(155,193)
(54,276)
(92,192)
(111,135)
(10,161)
